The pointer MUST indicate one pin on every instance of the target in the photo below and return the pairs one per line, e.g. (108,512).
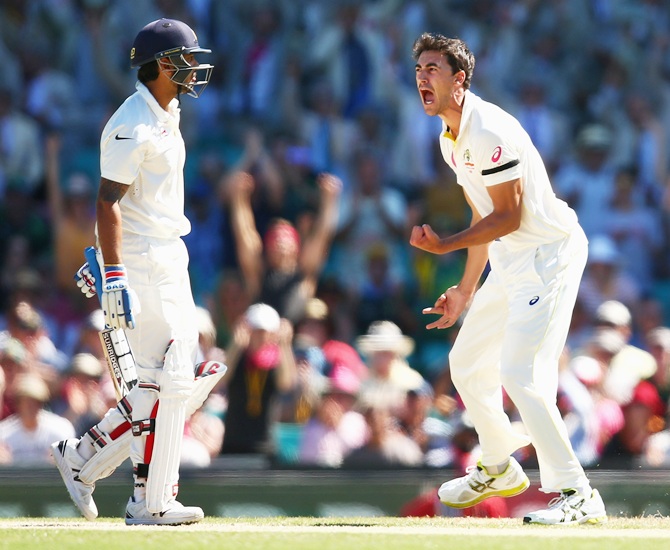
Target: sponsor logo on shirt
(497,153)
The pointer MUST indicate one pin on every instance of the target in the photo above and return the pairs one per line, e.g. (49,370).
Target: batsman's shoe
(478,485)
(174,514)
(69,462)
(570,507)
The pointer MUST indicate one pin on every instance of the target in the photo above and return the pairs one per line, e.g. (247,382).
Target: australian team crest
(467,161)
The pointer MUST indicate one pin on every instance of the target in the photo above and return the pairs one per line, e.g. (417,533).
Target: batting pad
(176,385)
(207,375)
(103,463)
(115,435)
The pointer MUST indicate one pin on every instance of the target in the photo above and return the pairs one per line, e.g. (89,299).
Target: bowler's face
(435,82)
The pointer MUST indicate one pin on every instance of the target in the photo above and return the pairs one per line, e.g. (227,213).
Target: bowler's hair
(454,50)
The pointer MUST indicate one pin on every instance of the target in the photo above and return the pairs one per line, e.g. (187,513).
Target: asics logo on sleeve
(534,300)
(118,137)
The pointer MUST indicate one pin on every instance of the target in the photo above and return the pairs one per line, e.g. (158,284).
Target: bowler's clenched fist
(425,238)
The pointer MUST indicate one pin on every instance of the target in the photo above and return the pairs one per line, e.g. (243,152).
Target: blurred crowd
(309,160)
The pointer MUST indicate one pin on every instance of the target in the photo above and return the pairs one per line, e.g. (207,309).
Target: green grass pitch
(648,533)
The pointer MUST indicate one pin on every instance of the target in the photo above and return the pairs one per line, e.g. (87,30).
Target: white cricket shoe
(571,507)
(478,485)
(174,514)
(69,463)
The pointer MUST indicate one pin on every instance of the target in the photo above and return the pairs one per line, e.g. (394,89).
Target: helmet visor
(191,77)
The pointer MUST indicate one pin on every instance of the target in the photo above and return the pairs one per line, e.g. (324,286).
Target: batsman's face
(435,82)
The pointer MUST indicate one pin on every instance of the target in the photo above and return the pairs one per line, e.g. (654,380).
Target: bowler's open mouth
(427,96)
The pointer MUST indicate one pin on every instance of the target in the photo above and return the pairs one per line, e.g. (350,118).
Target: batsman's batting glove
(117,302)
(85,281)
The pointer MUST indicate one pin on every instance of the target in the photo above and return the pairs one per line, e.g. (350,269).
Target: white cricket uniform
(141,146)
(516,327)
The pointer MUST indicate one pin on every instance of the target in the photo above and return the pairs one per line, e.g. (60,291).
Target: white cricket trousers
(512,337)
(158,273)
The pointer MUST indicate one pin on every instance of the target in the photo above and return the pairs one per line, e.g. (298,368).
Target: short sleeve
(499,159)
(121,154)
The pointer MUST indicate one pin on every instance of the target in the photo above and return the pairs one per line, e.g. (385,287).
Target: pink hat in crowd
(342,380)
(337,353)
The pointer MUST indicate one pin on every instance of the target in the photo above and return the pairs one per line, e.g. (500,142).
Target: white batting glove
(85,281)
(117,302)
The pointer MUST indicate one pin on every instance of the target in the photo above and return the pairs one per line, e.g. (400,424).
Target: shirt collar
(468,106)
(469,99)
(162,115)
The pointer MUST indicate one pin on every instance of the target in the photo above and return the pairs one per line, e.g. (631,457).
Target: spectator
(207,242)
(72,211)
(587,183)
(310,334)
(630,364)
(604,278)
(578,407)
(262,61)
(23,219)
(14,362)
(351,57)
(658,342)
(314,328)
(380,296)
(207,348)
(232,301)
(426,431)
(641,421)
(386,350)
(279,270)
(267,194)
(82,399)
(336,428)
(597,417)
(26,436)
(387,446)
(327,134)
(544,124)
(20,152)
(261,365)
(4,409)
(635,227)
(370,213)
(26,324)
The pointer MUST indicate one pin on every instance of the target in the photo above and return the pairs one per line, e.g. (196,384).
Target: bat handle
(94,267)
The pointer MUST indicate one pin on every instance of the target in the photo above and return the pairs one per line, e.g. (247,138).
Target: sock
(498,468)
(140,491)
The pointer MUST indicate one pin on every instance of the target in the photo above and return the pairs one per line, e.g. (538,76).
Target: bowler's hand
(449,306)
(424,238)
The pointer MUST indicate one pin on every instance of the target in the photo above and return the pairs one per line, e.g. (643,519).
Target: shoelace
(561,501)
(470,470)
(475,472)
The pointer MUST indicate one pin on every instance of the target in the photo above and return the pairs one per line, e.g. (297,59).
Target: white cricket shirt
(142,146)
(493,148)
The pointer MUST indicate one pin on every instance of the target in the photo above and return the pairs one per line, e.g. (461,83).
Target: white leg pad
(112,436)
(103,463)
(176,385)
(207,375)
(111,439)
